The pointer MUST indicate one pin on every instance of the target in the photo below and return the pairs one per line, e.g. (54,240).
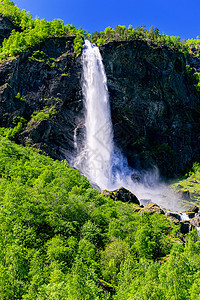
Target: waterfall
(99,160)
(95,159)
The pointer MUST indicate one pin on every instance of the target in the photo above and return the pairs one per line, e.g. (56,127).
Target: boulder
(153,208)
(185,195)
(185,227)
(173,215)
(121,194)
(196,221)
(144,202)
(194,209)
(191,215)
(174,220)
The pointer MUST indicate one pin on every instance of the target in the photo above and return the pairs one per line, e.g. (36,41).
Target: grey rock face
(53,82)
(154,109)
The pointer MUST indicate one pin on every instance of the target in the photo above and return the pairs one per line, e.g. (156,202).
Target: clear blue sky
(173,17)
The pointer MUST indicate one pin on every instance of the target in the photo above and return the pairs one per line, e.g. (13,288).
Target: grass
(190,183)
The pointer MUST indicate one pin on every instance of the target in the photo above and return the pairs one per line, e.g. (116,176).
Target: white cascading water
(100,161)
(95,160)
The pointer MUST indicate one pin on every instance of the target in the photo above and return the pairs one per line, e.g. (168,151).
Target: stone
(150,94)
(153,208)
(191,215)
(196,220)
(174,220)
(185,195)
(144,202)
(121,194)
(173,215)
(43,85)
(185,227)
(194,209)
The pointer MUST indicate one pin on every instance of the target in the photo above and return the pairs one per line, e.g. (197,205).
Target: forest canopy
(62,239)
(29,32)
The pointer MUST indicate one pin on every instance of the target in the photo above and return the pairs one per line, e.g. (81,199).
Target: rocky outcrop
(187,220)
(155,110)
(152,208)
(193,209)
(121,194)
(173,215)
(186,227)
(48,79)
(195,221)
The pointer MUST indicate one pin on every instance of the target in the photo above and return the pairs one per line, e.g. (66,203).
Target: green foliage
(38,56)
(191,184)
(20,18)
(20,124)
(194,46)
(33,32)
(79,42)
(20,98)
(42,115)
(121,33)
(59,237)
(194,78)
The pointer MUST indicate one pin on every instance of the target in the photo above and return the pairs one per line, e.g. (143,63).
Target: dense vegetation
(152,35)
(30,32)
(61,239)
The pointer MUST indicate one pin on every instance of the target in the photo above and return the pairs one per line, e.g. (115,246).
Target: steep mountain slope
(155,108)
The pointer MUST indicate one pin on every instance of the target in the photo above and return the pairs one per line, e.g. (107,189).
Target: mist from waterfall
(99,160)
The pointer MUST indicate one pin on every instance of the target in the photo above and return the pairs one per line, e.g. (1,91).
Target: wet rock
(196,220)
(185,227)
(185,195)
(173,215)
(152,208)
(145,202)
(174,220)
(121,194)
(194,209)
(136,178)
(191,215)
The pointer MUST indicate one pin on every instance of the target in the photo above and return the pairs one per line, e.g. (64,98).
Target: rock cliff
(155,109)
(47,79)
